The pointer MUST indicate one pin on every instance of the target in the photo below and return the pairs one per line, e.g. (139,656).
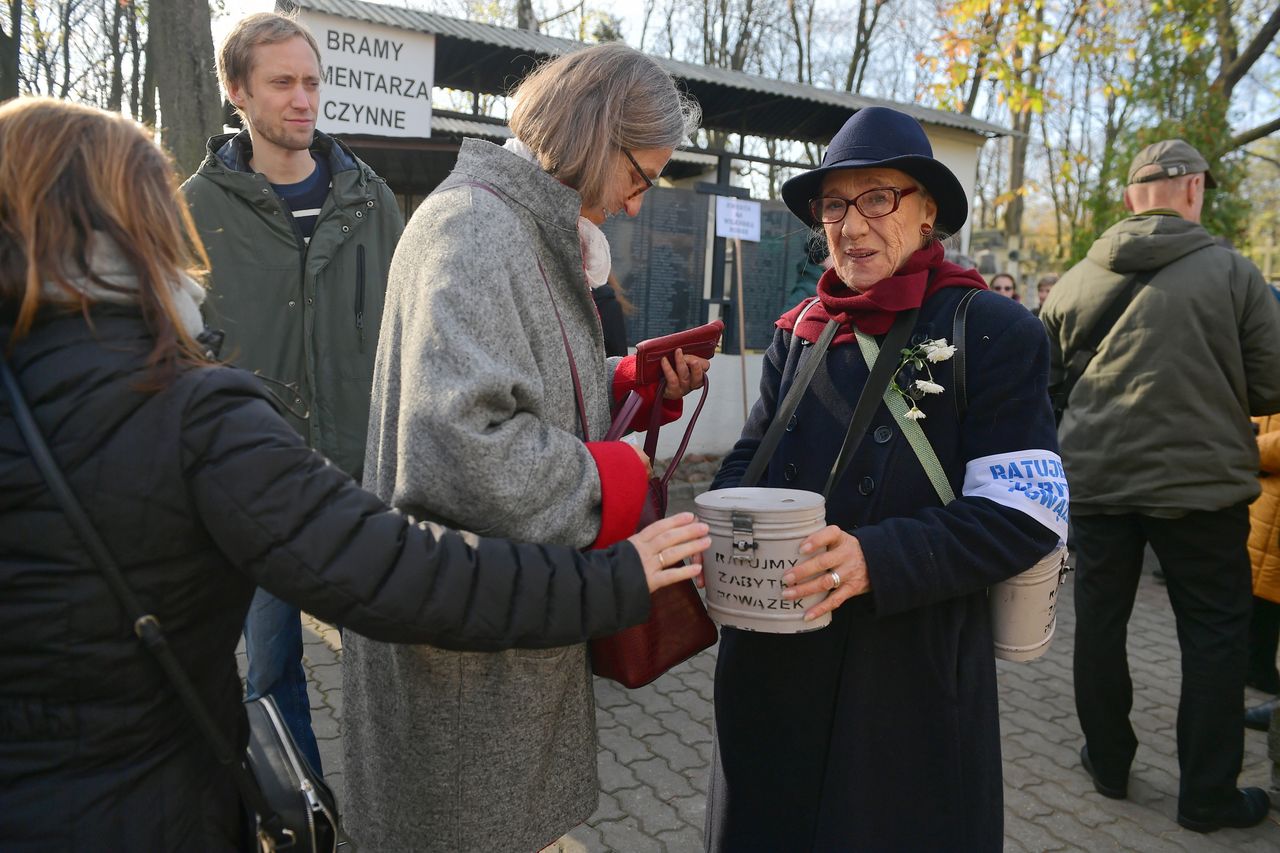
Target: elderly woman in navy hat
(880,731)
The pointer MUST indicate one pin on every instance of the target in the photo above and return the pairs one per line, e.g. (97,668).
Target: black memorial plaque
(769,269)
(660,259)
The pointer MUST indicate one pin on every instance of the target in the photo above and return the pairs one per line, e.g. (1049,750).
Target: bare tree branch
(1252,135)
(1233,72)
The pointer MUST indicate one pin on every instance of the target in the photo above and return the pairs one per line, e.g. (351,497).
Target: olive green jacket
(303,317)
(1159,422)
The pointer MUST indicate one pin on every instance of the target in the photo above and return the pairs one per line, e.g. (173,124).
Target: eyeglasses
(872,204)
(648,182)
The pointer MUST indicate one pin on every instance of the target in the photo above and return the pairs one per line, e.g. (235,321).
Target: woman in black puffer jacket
(201,491)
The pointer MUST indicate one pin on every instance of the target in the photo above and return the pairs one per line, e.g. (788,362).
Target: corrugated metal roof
(453,126)
(730,99)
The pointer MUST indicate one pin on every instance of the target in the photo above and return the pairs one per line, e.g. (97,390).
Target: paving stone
(692,702)
(652,697)
(613,775)
(685,726)
(1129,836)
(607,809)
(678,756)
(590,839)
(664,781)
(634,719)
(1031,835)
(681,841)
(624,744)
(610,695)
(1082,810)
(325,726)
(627,838)
(1025,804)
(650,808)
(692,810)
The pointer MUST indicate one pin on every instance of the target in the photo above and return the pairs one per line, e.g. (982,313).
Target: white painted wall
(721,420)
(958,150)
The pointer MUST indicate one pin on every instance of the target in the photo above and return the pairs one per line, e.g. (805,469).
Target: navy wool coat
(880,732)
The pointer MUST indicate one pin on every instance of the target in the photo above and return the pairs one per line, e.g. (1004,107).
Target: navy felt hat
(878,137)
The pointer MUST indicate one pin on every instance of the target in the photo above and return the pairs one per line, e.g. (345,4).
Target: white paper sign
(375,79)
(738,218)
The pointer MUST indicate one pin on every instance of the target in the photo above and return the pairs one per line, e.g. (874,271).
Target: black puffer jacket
(201,491)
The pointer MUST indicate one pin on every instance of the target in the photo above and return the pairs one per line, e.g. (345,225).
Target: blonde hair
(70,172)
(578,111)
(235,56)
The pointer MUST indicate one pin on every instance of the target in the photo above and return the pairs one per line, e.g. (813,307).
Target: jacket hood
(1148,241)
(227,161)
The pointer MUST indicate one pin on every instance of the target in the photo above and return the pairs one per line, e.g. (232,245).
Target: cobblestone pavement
(655,749)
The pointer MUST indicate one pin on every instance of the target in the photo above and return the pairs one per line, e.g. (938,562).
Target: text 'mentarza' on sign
(374,79)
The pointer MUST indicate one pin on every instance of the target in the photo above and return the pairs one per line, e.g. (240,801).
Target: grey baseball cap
(1175,157)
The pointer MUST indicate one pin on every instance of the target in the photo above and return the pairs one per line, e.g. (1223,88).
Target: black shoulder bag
(1076,361)
(294,806)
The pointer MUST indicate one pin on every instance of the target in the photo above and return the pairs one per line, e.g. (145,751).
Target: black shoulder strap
(960,389)
(872,393)
(804,375)
(1076,362)
(145,625)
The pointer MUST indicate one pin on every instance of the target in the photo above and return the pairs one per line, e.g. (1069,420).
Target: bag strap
(564,335)
(688,430)
(145,625)
(626,414)
(1076,362)
(960,388)
(911,428)
(869,400)
(804,375)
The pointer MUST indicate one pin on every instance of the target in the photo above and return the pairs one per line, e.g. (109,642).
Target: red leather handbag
(678,626)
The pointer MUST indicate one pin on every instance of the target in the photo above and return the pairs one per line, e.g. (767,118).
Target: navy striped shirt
(306,197)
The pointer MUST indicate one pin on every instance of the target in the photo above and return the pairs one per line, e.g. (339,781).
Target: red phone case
(700,341)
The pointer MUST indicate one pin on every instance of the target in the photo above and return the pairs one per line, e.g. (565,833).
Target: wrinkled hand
(665,544)
(837,551)
(685,375)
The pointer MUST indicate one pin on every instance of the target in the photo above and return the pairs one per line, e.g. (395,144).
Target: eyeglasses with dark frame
(648,182)
(872,204)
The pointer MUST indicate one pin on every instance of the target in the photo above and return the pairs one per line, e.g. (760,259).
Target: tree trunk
(137,55)
(147,110)
(115,96)
(181,51)
(525,18)
(1018,145)
(10,49)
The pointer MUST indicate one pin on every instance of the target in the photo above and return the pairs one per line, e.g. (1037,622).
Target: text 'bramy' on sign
(374,79)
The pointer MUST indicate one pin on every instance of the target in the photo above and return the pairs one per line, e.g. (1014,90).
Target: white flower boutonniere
(918,358)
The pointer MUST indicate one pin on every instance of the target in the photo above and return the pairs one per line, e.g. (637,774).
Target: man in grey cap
(1158,447)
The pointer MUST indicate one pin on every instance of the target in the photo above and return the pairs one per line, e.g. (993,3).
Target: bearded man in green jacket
(300,235)
(1159,450)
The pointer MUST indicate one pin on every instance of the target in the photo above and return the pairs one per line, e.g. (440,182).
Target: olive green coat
(1159,422)
(305,317)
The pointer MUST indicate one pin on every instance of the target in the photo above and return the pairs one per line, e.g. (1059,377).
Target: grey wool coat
(473,423)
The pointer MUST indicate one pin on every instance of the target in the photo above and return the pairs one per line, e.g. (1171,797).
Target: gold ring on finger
(835,579)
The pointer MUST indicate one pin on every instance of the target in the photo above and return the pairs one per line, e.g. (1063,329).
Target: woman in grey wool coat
(474,421)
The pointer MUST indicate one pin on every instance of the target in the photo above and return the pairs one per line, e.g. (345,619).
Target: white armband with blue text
(1030,481)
